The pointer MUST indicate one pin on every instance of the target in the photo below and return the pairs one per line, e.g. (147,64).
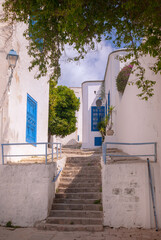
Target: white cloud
(90,68)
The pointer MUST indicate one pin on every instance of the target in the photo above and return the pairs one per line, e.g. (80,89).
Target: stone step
(73,221)
(75,213)
(82,164)
(77,184)
(85,207)
(77,201)
(87,168)
(82,171)
(70,228)
(79,175)
(79,195)
(87,179)
(79,190)
(83,160)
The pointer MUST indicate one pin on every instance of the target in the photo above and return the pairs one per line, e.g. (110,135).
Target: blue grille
(97,114)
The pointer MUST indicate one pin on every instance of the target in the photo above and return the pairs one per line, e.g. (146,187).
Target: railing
(46,154)
(104,153)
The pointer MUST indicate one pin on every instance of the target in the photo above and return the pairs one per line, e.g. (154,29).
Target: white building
(24,106)
(127,200)
(91,114)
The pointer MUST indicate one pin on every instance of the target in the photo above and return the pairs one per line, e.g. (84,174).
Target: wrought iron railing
(46,154)
(105,151)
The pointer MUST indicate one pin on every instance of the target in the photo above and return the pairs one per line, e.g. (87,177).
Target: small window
(98,141)
(31,120)
(97,115)
(38,41)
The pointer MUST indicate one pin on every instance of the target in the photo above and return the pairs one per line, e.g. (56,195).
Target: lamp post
(12,58)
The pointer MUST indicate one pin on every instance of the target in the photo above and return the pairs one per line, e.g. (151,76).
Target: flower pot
(110,132)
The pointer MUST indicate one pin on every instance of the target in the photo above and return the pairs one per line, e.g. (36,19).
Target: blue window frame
(39,41)
(97,114)
(106,107)
(31,120)
(98,141)
(109,101)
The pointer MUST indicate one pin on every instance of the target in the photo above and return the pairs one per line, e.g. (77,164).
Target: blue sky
(90,68)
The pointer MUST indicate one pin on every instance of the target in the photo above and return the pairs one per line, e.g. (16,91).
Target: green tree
(83,23)
(62,107)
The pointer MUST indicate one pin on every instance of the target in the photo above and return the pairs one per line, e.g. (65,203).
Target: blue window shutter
(109,101)
(106,107)
(40,41)
(98,141)
(97,115)
(31,120)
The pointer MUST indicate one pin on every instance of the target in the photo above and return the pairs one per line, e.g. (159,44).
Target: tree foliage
(83,23)
(62,107)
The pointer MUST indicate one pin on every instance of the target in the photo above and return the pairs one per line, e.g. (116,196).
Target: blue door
(98,141)
(31,120)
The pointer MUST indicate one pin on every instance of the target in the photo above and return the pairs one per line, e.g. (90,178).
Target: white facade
(13,110)
(91,92)
(75,137)
(134,121)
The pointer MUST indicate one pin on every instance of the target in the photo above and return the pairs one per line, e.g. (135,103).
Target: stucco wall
(90,93)
(112,69)
(135,120)
(13,124)
(127,197)
(26,192)
(139,120)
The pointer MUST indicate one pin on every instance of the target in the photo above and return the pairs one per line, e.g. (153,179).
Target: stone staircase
(77,204)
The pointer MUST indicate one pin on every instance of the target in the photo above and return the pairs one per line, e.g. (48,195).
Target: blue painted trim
(55,178)
(40,41)
(152,193)
(99,115)
(33,119)
(26,155)
(120,143)
(104,154)
(109,101)
(106,107)
(98,141)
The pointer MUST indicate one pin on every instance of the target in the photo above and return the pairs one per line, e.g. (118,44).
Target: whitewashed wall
(13,124)
(127,197)
(112,69)
(139,120)
(27,193)
(90,93)
(135,120)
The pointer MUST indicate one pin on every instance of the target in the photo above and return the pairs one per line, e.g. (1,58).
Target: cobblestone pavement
(107,234)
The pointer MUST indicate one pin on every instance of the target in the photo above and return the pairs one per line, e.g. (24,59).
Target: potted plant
(102,127)
(106,123)
(110,131)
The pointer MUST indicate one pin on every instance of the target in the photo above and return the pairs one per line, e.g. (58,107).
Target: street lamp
(12,58)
